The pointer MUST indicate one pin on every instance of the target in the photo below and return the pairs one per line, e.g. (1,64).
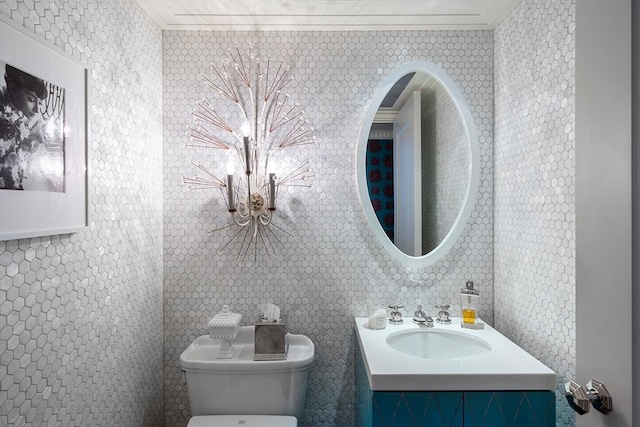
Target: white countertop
(505,367)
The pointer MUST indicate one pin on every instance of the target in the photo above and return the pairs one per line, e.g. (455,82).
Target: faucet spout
(420,318)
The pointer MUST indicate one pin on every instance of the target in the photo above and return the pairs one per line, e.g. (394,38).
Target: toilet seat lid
(242,421)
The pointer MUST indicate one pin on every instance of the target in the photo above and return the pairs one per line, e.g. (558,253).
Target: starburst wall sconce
(260,123)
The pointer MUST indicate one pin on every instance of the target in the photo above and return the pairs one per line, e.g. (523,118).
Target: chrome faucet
(420,318)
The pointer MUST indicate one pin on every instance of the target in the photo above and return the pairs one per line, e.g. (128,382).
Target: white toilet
(238,391)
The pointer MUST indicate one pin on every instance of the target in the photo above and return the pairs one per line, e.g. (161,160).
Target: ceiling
(322,15)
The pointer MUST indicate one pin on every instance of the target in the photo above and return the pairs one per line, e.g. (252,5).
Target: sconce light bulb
(245,129)
(230,167)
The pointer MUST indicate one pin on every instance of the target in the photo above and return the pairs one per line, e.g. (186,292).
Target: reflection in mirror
(418,163)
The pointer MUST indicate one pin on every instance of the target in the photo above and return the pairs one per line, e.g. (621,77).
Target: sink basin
(410,357)
(438,344)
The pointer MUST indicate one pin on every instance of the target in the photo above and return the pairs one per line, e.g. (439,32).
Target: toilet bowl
(240,391)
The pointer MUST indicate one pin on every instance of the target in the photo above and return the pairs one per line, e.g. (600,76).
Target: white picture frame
(25,214)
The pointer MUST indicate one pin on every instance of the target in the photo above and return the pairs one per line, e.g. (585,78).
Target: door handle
(595,393)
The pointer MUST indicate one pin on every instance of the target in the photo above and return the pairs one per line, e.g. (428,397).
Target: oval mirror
(418,163)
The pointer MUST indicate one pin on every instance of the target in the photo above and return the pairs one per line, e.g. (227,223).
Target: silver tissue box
(269,340)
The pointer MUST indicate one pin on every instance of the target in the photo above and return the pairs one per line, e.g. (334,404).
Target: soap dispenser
(469,300)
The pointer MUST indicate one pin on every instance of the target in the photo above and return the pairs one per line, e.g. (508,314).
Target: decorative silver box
(269,341)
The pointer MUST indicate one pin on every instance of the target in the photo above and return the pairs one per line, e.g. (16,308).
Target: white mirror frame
(474,164)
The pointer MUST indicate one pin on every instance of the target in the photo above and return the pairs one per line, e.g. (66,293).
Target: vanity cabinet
(519,408)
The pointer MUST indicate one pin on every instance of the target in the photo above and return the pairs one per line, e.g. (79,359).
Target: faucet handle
(395,315)
(443,314)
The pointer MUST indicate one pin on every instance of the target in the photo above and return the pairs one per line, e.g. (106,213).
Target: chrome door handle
(595,393)
(603,401)
(577,397)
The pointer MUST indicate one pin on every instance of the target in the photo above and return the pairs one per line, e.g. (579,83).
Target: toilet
(236,390)
(243,421)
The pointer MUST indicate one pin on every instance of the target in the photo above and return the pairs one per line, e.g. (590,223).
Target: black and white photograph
(43,137)
(32,113)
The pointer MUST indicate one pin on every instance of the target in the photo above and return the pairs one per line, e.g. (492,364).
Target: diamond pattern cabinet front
(509,408)
(451,408)
(417,408)
(458,409)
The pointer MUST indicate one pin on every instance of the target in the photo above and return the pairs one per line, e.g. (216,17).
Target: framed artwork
(43,138)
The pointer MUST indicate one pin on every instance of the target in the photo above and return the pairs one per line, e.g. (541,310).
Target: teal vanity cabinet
(535,408)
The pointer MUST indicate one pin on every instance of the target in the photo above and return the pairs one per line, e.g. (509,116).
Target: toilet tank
(240,385)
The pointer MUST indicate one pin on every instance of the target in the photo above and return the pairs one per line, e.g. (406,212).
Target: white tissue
(270,312)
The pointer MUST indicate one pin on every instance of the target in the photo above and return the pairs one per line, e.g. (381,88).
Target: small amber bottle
(469,300)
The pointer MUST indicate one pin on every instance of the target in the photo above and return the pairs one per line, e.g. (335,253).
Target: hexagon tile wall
(535,189)
(332,268)
(81,314)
